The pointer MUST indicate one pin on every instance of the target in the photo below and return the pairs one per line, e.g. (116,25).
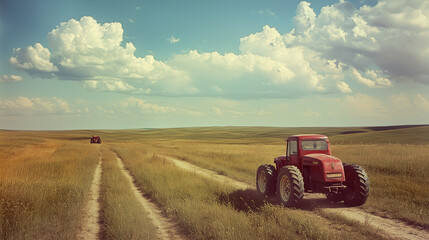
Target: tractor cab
(304,144)
(301,145)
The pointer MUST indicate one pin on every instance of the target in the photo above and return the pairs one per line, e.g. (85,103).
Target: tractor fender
(280,161)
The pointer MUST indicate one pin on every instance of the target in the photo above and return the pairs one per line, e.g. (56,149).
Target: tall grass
(398,173)
(209,210)
(45,178)
(42,187)
(238,160)
(122,215)
(399,176)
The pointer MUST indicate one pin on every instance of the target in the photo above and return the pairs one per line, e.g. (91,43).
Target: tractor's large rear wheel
(357,183)
(266,179)
(290,186)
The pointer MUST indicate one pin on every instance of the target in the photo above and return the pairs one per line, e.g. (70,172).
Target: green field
(45,177)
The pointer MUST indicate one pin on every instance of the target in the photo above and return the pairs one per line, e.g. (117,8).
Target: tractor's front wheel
(290,186)
(266,179)
(357,183)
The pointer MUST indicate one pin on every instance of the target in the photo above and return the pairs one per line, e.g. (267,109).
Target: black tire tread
(271,174)
(357,174)
(297,185)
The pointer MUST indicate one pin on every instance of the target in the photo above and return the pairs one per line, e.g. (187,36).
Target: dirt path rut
(90,227)
(166,228)
(208,173)
(393,228)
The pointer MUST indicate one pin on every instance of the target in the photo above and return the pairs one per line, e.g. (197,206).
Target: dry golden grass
(399,176)
(236,160)
(42,186)
(122,215)
(398,173)
(209,210)
(45,177)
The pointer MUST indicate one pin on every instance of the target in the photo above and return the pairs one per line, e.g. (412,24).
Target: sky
(163,64)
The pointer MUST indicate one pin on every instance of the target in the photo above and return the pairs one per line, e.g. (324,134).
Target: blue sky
(146,64)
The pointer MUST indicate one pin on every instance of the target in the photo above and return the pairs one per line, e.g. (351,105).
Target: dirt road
(208,173)
(166,228)
(394,229)
(90,227)
(391,227)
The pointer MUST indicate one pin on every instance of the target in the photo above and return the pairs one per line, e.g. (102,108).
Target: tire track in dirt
(166,228)
(393,228)
(90,227)
(208,173)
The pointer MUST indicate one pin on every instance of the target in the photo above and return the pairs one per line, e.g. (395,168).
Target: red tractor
(308,166)
(96,139)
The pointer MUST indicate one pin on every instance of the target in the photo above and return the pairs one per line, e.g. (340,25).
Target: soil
(391,228)
(208,173)
(166,227)
(90,228)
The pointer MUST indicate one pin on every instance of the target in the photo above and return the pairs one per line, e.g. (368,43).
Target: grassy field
(43,186)
(208,210)
(45,177)
(399,174)
(122,215)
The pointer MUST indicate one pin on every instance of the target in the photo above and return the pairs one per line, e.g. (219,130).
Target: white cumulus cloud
(92,52)
(371,79)
(108,86)
(35,59)
(31,106)
(324,53)
(145,106)
(391,37)
(10,78)
(87,50)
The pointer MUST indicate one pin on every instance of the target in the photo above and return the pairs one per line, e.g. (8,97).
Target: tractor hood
(331,166)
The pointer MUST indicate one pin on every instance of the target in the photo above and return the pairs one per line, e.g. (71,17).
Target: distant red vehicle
(308,166)
(96,139)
